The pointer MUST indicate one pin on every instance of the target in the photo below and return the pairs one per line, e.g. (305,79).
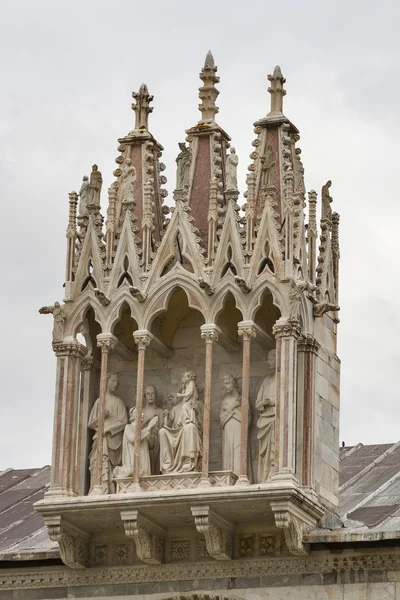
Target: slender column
(286,334)
(142,339)
(65,409)
(246,331)
(106,342)
(209,333)
(85,391)
(308,350)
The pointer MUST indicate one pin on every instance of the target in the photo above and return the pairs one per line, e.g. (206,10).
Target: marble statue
(180,436)
(58,313)
(128,445)
(152,412)
(232,162)
(84,194)
(299,186)
(128,178)
(231,421)
(265,403)
(326,198)
(268,167)
(96,181)
(115,419)
(183,162)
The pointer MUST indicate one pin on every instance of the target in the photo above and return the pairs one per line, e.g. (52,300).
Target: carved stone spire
(142,107)
(208,93)
(276,90)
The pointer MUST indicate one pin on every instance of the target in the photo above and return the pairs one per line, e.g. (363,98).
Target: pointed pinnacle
(276,90)
(209,62)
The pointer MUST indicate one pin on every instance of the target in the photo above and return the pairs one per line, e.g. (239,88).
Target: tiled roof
(22,531)
(369,500)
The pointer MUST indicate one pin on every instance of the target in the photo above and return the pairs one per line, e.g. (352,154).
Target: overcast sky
(67,72)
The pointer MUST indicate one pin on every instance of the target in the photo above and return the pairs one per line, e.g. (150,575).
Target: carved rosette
(218,533)
(148,537)
(73,543)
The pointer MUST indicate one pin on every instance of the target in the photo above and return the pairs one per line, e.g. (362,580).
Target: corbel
(149,537)
(294,523)
(72,541)
(218,532)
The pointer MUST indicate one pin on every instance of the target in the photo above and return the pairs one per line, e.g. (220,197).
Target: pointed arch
(121,297)
(229,256)
(126,262)
(79,313)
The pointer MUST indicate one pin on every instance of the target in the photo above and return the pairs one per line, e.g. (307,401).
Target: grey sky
(67,73)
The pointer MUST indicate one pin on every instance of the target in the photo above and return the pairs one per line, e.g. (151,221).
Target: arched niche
(87,331)
(182,349)
(266,314)
(228,317)
(123,358)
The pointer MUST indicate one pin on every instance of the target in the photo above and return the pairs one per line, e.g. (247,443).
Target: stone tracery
(204,289)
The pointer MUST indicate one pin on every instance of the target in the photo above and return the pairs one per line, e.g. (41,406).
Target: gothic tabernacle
(194,342)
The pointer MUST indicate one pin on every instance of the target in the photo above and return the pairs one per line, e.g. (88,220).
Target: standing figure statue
(232,162)
(96,181)
(268,167)
(84,194)
(128,178)
(128,445)
(231,421)
(115,420)
(326,210)
(180,437)
(152,412)
(299,186)
(265,403)
(58,313)
(183,162)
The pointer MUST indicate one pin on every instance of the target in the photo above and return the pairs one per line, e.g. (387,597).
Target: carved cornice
(60,577)
(289,328)
(148,537)
(218,533)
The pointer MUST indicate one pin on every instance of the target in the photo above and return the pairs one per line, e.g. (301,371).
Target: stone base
(157,483)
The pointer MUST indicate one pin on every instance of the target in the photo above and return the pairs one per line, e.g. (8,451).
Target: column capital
(247,330)
(286,328)
(210,333)
(106,341)
(69,347)
(308,343)
(142,338)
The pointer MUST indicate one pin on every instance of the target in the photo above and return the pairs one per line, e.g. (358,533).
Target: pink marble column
(142,340)
(286,334)
(307,353)
(246,331)
(69,355)
(106,342)
(210,335)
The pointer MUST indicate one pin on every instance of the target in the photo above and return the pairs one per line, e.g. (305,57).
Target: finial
(142,107)
(208,93)
(276,90)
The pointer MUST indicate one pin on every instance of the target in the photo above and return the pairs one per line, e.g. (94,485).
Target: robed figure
(265,403)
(115,419)
(128,445)
(181,434)
(152,413)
